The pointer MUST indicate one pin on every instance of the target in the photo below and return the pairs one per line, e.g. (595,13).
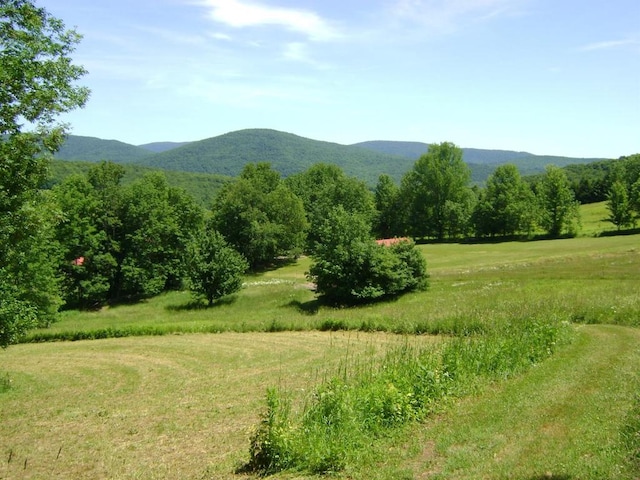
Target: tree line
(92,241)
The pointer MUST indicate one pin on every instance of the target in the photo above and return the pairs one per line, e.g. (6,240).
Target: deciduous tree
(436,186)
(37,82)
(324,187)
(559,209)
(350,267)
(260,216)
(215,269)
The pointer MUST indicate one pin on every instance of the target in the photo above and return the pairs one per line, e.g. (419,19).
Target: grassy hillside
(203,187)
(185,406)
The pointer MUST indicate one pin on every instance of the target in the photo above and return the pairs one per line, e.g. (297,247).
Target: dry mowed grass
(180,406)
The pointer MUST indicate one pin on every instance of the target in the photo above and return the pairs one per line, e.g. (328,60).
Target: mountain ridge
(288,154)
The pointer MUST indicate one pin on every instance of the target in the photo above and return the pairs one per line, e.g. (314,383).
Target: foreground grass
(155,407)
(565,419)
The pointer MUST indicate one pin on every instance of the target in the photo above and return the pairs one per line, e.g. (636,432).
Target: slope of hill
(288,154)
(159,147)
(203,187)
(527,162)
(91,149)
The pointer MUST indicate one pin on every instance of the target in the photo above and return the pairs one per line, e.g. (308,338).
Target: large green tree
(324,187)
(559,212)
(215,269)
(390,219)
(507,205)
(437,191)
(157,224)
(122,241)
(37,83)
(260,216)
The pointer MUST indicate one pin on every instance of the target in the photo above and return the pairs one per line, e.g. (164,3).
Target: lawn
(184,404)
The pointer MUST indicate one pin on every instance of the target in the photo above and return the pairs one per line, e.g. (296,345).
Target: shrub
(349,267)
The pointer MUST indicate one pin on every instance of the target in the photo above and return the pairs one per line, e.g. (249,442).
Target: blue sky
(556,77)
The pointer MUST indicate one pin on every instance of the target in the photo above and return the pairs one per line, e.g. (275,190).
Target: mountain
(476,155)
(91,149)
(159,147)
(288,154)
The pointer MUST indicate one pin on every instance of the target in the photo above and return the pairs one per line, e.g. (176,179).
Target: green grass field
(184,402)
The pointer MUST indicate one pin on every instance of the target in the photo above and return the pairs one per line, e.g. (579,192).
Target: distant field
(184,405)
(594,279)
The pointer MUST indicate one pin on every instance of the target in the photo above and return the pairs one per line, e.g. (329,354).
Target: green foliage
(559,209)
(619,206)
(347,413)
(507,206)
(349,267)
(37,82)
(260,216)
(324,187)
(214,268)
(157,223)
(437,191)
(203,187)
(389,219)
(122,242)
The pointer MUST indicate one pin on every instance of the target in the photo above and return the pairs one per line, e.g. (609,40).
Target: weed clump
(347,413)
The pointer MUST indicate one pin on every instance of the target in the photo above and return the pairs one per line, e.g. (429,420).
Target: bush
(350,267)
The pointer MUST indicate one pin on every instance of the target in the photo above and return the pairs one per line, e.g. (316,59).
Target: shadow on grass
(259,270)
(619,233)
(310,307)
(201,304)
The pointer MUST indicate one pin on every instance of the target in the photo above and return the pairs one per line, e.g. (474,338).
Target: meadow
(168,389)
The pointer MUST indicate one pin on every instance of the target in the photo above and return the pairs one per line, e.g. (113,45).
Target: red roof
(391,241)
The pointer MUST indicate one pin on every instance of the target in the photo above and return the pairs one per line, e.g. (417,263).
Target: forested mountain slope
(227,154)
(287,153)
(526,162)
(91,149)
(203,187)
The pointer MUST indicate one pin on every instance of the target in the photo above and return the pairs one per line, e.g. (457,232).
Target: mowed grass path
(562,420)
(171,407)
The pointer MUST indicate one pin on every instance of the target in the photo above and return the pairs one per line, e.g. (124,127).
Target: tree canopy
(37,83)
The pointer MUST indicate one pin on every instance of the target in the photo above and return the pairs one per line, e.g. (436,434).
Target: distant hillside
(526,162)
(159,147)
(203,187)
(90,149)
(288,154)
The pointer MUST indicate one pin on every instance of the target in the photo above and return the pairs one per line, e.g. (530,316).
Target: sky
(550,77)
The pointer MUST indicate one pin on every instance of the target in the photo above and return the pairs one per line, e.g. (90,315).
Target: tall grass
(348,411)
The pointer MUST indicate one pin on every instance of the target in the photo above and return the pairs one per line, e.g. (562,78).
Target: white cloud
(447,15)
(609,45)
(241,13)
